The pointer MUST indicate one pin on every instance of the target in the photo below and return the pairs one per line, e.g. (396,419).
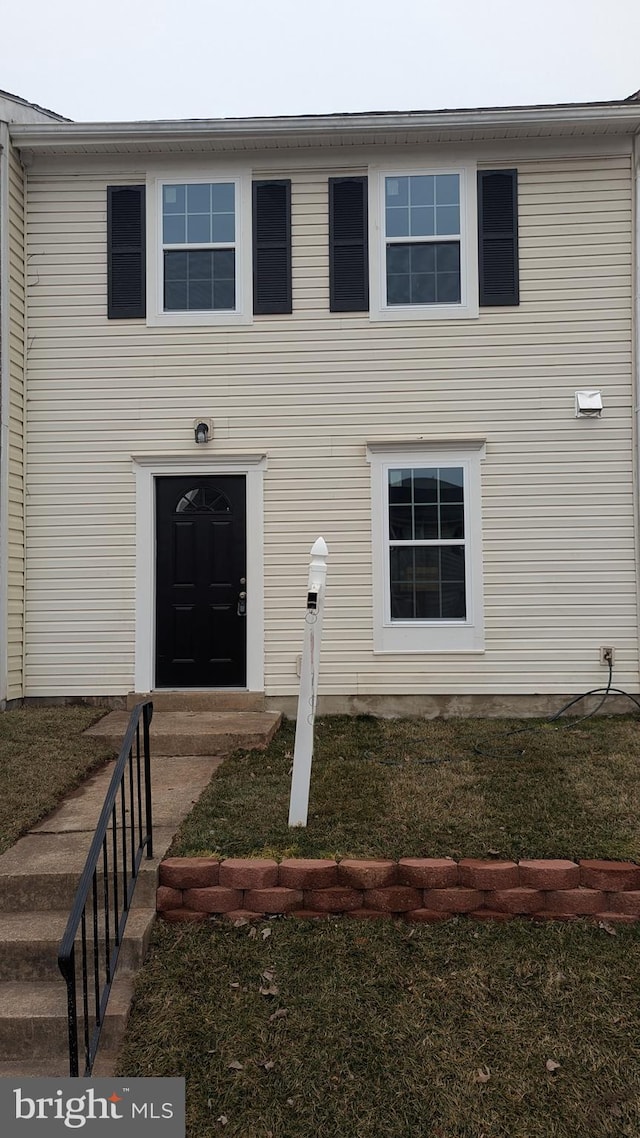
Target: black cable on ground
(606,692)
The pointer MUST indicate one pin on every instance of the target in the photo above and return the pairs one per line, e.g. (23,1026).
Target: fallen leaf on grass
(281,1012)
(253,932)
(607,927)
(234,985)
(552,1066)
(483,1074)
(240,922)
(267,1064)
(267,975)
(234,1065)
(266,933)
(222,1119)
(269,990)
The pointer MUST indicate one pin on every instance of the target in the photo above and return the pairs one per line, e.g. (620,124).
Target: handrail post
(147,712)
(68,968)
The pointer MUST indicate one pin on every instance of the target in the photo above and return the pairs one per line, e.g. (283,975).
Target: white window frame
(468,306)
(427,636)
(243,312)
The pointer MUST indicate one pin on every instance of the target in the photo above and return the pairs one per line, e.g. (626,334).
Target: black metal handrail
(103,898)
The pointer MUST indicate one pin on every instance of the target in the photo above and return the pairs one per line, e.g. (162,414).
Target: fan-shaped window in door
(203,500)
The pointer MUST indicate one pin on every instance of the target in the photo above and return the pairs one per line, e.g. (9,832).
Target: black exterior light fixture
(202,431)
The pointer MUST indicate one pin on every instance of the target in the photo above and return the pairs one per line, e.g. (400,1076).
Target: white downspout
(4,408)
(636,357)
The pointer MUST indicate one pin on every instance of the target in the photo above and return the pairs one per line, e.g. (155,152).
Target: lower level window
(427,534)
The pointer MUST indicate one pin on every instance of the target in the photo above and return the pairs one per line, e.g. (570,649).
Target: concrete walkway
(38,879)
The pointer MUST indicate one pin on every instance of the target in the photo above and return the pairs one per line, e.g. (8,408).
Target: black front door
(201,582)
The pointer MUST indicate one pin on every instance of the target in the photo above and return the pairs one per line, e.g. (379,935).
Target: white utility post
(307,699)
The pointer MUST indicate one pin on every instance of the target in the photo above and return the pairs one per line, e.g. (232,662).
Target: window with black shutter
(271,247)
(126,270)
(498,237)
(348,245)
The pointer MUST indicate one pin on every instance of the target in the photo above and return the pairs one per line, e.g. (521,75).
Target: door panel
(200,571)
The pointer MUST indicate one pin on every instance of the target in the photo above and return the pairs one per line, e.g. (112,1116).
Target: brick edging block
(420,889)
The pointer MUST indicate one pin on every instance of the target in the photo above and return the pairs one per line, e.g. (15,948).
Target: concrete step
(104,1066)
(42,871)
(219,700)
(29,943)
(33,1019)
(196,732)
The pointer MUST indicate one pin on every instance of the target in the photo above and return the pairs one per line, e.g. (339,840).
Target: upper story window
(199,246)
(199,250)
(421,267)
(423,242)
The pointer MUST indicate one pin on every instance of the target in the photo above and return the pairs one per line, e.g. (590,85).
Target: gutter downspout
(636,359)
(4,408)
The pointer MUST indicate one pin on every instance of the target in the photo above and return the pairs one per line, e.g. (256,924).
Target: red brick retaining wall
(416,889)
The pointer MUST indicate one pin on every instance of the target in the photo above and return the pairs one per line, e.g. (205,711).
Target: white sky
(137,59)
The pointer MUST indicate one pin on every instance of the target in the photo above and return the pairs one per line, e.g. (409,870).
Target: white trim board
(4,409)
(146,469)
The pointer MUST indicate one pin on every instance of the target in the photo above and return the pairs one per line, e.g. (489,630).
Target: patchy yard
(43,755)
(464,788)
(379,1030)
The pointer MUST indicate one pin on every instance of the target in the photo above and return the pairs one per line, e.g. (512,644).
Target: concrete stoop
(39,876)
(196,732)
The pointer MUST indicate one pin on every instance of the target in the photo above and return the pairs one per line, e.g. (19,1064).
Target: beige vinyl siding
(16,553)
(310,390)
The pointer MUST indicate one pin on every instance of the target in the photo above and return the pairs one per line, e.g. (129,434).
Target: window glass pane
(397,191)
(200,295)
(447,189)
(223,197)
(199,280)
(415,274)
(175,296)
(421,189)
(199,199)
(427,583)
(447,219)
(400,485)
(199,229)
(451,521)
(225,264)
(451,479)
(422,221)
(423,288)
(173,229)
(224,227)
(447,288)
(426,523)
(173,199)
(175,266)
(400,523)
(398,222)
(200,265)
(224,294)
(199,213)
(425,485)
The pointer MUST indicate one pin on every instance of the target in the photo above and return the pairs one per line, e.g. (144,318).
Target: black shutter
(271,247)
(126,270)
(498,237)
(348,245)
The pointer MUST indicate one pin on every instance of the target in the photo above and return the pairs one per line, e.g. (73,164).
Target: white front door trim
(146,469)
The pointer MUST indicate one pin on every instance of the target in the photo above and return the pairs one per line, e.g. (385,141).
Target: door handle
(242,604)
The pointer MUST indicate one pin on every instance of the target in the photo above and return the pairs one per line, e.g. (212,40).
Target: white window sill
(197,319)
(421,312)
